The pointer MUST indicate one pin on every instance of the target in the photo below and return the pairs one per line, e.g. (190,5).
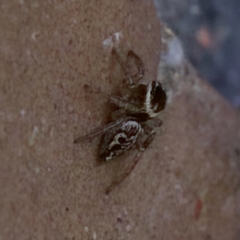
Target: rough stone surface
(186,185)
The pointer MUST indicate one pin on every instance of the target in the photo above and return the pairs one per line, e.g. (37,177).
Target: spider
(127,128)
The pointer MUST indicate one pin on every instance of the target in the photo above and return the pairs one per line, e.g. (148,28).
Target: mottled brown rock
(186,185)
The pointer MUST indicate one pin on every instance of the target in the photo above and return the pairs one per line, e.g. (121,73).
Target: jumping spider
(127,128)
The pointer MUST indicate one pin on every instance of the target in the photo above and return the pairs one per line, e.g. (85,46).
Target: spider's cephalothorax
(144,102)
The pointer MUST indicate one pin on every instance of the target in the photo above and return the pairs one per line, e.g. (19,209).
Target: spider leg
(140,74)
(130,79)
(99,131)
(120,61)
(148,140)
(124,175)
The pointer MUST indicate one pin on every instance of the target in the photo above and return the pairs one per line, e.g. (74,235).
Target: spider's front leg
(144,143)
(133,62)
(139,64)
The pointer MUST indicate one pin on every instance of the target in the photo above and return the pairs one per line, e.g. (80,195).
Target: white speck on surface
(33,136)
(37,169)
(169,96)
(106,196)
(149,26)
(86,229)
(128,228)
(74,20)
(35,35)
(49,169)
(94,235)
(88,113)
(177,186)
(197,88)
(118,36)
(166,148)
(119,218)
(108,43)
(125,212)
(23,112)
(28,52)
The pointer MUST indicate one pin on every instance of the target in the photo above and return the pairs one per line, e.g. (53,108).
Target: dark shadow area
(209,30)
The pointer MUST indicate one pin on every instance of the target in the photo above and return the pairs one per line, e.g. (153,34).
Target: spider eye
(159,97)
(121,140)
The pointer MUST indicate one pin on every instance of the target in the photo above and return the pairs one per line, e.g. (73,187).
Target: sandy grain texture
(186,185)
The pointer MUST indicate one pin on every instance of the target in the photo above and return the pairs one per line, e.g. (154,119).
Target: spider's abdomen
(119,140)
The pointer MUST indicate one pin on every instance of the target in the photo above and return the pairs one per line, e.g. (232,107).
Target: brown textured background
(185,187)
